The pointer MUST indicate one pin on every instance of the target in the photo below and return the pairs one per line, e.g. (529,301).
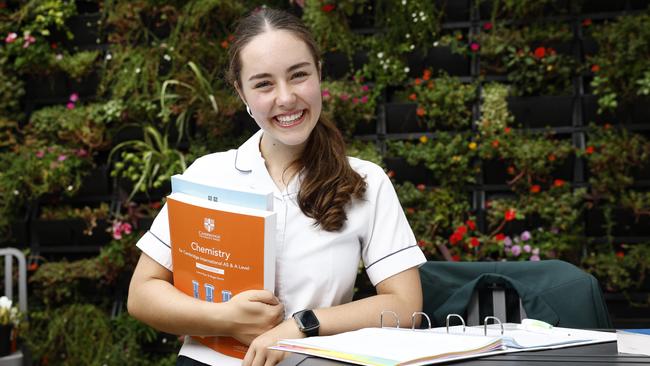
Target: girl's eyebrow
(291,68)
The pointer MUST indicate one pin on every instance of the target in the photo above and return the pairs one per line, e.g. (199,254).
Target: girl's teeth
(290,118)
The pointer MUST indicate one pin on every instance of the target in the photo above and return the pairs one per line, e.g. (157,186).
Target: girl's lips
(291,119)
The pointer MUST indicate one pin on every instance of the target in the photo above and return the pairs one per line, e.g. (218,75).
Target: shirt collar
(248,154)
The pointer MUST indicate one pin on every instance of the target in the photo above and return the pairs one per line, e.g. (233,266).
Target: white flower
(403,2)
(109,56)
(412,46)
(408,35)
(421,13)
(15,194)
(380,54)
(167,57)
(137,70)
(406,70)
(5,303)
(435,44)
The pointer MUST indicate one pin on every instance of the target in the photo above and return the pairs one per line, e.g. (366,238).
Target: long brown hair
(328,182)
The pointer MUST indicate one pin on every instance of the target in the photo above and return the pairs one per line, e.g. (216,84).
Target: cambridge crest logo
(208,224)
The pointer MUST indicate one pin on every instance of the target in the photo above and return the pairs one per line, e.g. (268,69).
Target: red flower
(558,182)
(32,266)
(422,243)
(474,242)
(511,170)
(455,258)
(620,254)
(413,96)
(586,22)
(421,187)
(510,214)
(328,7)
(410,210)
(54,46)
(535,188)
(391,174)
(418,81)
(487,26)
(455,238)
(495,144)
(500,237)
(607,126)
(225,44)
(461,230)
(426,75)
(595,68)
(471,224)
(507,130)
(589,150)
(540,52)
(552,157)
(420,112)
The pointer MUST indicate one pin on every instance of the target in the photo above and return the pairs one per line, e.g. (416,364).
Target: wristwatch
(307,322)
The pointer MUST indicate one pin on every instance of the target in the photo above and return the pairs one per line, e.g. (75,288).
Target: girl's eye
(262,84)
(299,74)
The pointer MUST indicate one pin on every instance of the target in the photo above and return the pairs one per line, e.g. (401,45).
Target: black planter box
(542,111)
(406,172)
(365,128)
(636,112)
(441,58)
(495,172)
(46,87)
(626,315)
(335,65)
(626,223)
(454,11)
(95,185)
(85,28)
(402,118)
(60,233)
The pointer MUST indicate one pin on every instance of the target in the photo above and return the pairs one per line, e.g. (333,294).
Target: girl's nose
(286,96)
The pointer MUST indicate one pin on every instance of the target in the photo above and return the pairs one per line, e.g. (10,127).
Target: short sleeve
(389,246)
(156,243)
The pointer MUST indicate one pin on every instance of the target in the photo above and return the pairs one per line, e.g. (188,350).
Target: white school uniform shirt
(314,268)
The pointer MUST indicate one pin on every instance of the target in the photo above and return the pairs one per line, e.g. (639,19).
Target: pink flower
(325,93)
(364,99)
(534,258)
(11,37)
(474,46)
(525,236)
(515,250)
(527,248)
(70,105)
(344,97)
(487,26)
(62,157)
(355,100)
(126,228)
(81,153)
(74,97)
(365,88)
(40,154)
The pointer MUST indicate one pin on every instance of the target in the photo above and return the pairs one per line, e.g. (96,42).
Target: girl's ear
(240,92)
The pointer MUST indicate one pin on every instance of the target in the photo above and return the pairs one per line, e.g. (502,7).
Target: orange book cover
(219,250)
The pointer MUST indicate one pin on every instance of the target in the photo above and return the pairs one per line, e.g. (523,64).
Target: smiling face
(280,82)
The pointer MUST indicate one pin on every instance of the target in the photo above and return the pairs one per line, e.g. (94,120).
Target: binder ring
(496,320)
(424,315)
(457,316)
(381,318)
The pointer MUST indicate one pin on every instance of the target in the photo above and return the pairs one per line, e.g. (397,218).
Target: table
(593,354)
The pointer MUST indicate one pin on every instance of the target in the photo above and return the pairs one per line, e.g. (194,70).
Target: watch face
(307,320)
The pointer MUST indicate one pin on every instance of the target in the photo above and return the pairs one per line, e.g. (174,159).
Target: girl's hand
(253,313)
(258,353)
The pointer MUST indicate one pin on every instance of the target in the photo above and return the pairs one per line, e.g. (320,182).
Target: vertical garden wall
(513,130)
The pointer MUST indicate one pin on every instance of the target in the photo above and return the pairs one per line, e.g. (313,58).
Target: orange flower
(224,44)
(410,210)
(595,68)
(620,254)
(420,112)
(558,182)
(391,174)
(426,75)
(551,157)
(421,187)
(607,126)
(495,144)
(535,188)
(418,81)
(413,96)
(586,22)
(511,170)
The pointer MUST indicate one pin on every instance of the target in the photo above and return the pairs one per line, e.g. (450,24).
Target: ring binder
(381,318)
(485,323)
(454,315)
(419,313)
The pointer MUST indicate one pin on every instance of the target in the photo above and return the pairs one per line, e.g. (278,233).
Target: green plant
(366,151)
(495,116)
(520,9)
(9,314)
(76,65)
(448,157)
(348,103)
(87,214)
(415,23)
(147,163)
(386,64)
(329,23)
(442,102)
(622,267)
(620,67)
(539,71)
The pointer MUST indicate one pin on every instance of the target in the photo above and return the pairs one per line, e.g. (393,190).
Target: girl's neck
(278,158)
